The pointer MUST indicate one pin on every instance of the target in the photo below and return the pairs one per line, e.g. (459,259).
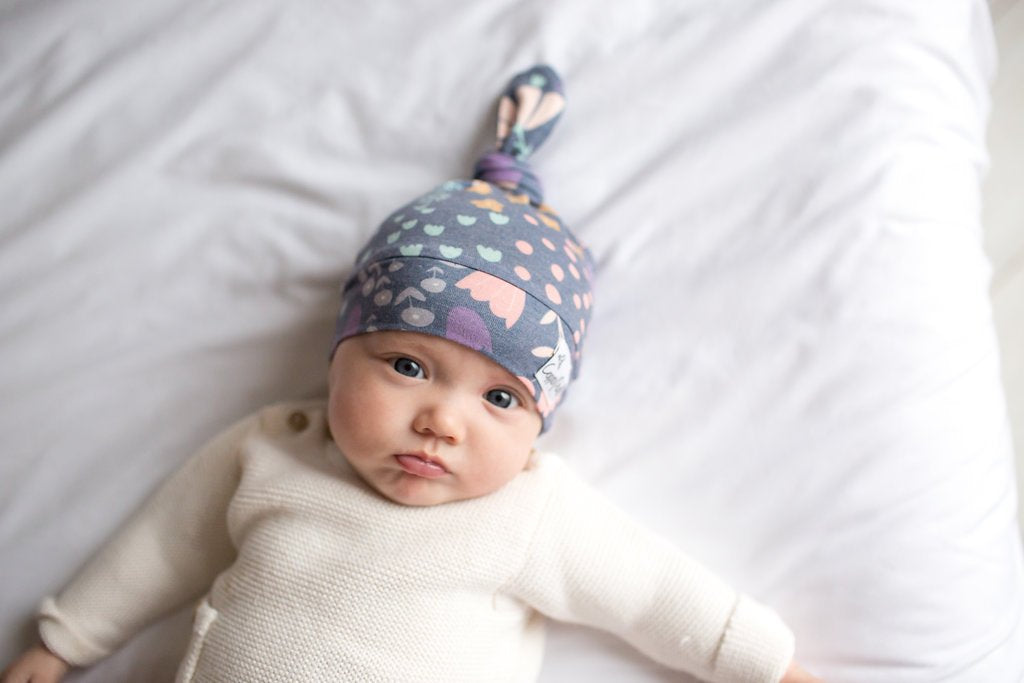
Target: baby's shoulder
(546,475)
(548,465)
(562,484)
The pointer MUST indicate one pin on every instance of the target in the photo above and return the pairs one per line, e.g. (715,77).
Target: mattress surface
(791,372)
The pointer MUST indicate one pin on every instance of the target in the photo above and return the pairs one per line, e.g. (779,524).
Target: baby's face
(424,420)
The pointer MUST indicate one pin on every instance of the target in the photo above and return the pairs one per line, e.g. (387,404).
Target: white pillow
(792,370)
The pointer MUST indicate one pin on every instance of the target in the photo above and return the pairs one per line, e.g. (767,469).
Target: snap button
(298,421)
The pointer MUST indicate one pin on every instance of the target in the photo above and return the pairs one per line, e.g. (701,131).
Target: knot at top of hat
(527,111)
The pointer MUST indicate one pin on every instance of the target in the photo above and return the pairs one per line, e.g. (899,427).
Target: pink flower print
(544,406)
(535,108)
(505,301)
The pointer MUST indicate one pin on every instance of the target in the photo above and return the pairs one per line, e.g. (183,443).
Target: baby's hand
(794,674)
(37,665)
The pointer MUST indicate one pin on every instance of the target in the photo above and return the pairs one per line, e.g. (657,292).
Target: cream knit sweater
(306,574)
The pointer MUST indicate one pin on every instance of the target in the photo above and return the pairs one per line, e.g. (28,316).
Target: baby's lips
(420,465)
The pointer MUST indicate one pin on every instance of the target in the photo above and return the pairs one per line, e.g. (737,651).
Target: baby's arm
(166,555)
(797,674)
(36,665)
(591,564)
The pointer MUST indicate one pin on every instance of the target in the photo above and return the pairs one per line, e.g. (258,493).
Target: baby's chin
(411,491)
(417,492)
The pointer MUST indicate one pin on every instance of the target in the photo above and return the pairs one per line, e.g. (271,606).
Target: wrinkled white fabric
(791,371)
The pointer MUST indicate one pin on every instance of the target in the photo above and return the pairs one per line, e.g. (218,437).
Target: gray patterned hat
(484,262)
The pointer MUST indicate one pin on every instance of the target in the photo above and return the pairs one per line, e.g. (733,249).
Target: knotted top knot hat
(484,262)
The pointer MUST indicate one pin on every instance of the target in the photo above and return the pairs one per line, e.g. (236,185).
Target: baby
(407,530)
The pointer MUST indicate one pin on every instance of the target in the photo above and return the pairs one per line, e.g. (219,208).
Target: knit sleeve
(166,555)
(591,564)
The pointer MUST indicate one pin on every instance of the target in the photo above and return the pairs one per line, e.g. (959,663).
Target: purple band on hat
(501,169)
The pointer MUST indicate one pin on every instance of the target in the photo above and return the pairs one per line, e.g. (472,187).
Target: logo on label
(554,375)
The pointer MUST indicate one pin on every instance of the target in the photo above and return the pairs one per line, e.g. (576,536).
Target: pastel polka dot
(523,273)
(524,246)
(575,273)
(547,243)
(569,253)
(576,337)
(583,326)
(553,294)
(550,222)
(530,219)
(487,204)
(557,271)
(577,301)
(586,300)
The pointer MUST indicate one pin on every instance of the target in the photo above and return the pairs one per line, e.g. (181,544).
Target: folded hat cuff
(470,307)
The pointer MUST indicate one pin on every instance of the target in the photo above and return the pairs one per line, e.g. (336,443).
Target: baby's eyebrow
(382,341)
(412,346)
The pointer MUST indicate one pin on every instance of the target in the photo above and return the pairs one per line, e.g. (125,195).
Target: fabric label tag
(554,375)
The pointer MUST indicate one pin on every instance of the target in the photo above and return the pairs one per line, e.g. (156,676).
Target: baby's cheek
(347,428)
(503,470)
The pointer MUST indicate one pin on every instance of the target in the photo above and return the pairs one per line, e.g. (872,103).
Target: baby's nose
(441,419)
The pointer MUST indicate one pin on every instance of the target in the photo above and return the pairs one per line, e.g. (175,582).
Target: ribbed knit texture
(308,574)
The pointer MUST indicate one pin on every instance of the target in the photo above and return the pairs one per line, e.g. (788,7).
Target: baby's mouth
(421,465)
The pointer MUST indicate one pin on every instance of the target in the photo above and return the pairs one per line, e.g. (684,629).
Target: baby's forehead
(438,348)
(407,339)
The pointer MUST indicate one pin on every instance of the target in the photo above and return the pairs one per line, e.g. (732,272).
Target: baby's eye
(408,367)
(502,398)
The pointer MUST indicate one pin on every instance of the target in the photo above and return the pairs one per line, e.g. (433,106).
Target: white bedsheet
(792,370)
